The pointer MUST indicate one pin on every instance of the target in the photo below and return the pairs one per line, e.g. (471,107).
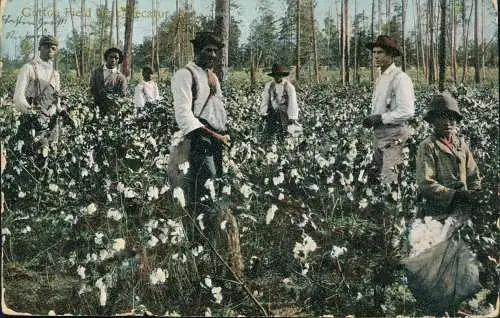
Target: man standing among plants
(279,103)
(392,106)
(201,115)
(36,97)
(108,83)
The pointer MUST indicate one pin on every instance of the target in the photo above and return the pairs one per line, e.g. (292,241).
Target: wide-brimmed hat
(386,43)
(278,70)
(114,49)
(443,103)
(48,39)
(205,38)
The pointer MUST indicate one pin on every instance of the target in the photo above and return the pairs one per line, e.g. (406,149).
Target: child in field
(146,92)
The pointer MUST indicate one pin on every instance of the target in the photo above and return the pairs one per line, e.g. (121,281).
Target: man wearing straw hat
(392,106)
(279,103)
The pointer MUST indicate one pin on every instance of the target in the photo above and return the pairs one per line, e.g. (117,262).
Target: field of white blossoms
(96,230)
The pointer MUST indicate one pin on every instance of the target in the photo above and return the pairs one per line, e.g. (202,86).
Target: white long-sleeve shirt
(393,96)
(145,92)
(214,112)
(292,108)
(26,86)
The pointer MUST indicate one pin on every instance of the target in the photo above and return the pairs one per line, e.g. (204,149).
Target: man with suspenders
(279,103)
(201,115)
(392,106)
(36,97)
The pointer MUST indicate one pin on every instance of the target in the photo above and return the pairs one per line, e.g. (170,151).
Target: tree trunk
(477,66)
(466,24)
(82,37)
(110,44)
(355,59)
(222,29)
(388,16)
(157,40)
(297,40)
(54,17)
(342,42)
(483,17)
(2,8)
(78,70)
(379,17)
(417,42)
(404,5)
(432,71)
(453,42)
(117,20)
(129,28)
(35,29)
(347,41)
(372,66)
(102,31)
(442,47)
(315,47)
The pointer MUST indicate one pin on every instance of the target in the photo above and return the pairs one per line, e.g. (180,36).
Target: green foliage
(332,247)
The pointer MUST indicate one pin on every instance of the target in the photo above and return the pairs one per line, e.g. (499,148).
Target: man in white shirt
(279,103)
(392,106)
(36,96)
(107,82)
(146,92)
(201,115)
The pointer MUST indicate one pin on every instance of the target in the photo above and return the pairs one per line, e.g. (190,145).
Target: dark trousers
(205,162)
(276,123)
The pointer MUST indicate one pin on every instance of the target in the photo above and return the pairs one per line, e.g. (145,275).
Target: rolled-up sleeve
(427,181)
(20,102)
(404,101)
(265,100)
(293,107)
(181,90)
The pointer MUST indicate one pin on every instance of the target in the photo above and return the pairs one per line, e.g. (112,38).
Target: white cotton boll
(197,250)
(281,197)
(179,195)
(279,179)
(21,194)
(270,213)
(152,193)
(158,276)
(84,172)
(207,281)
(114,214)
(51,313)
(363,203)
(98,238)
(104,254)
(217,293)
(20,144)
(81,271)
(45,151)
(153,240)
(246,191)
(337,251)
(314,187)
(27,229)
(129,193)
(103,296)
(53,187)
(91,209)
(209,184)
(208,312)
(199,218)
(119,244)
(286,281)
(226,189)
(223,225)
(164,189)
(184,167)
(305,269)
(120,187)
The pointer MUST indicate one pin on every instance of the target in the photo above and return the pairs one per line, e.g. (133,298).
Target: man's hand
(372,121)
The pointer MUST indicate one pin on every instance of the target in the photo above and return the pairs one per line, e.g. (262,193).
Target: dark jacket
(103,91)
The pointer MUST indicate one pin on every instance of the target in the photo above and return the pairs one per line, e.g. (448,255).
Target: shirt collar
(43,63)
(110,70)
(390,69)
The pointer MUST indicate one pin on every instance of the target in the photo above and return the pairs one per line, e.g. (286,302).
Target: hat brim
(395,51)
(278,74)
(432,114)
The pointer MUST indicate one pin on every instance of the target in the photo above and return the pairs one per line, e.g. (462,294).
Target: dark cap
(443,103)
(386,43)
(205,38)
(114,49)
(48,40)
(278,70)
